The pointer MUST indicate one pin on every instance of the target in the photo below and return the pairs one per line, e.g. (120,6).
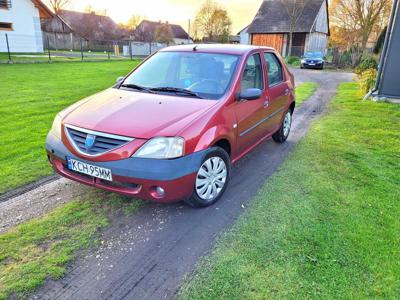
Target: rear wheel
(282,134)
(211,179)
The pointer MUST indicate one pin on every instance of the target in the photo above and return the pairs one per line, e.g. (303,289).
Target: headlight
(303,61)
(56,127)
(162,148)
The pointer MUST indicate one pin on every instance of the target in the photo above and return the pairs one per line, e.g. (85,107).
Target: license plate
(84,168)
(312,64)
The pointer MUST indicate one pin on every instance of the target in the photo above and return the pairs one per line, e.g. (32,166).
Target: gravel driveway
(149,254)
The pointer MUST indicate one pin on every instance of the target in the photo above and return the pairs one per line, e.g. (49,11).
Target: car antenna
(195,48)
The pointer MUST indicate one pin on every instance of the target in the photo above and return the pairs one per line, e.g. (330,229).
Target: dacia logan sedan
(171,129)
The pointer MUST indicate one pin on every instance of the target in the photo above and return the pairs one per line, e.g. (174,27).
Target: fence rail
(24,48)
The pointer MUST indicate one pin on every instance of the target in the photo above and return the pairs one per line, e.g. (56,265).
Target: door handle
(266,102)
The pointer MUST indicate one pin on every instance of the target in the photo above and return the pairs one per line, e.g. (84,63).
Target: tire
(282,134)
(219,157)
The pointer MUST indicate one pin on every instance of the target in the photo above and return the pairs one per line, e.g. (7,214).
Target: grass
(305,91)
(31,95)
(59,56)
(326,226)
(41,248)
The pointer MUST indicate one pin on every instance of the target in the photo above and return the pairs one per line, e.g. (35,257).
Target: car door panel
(250,113)
(278,91)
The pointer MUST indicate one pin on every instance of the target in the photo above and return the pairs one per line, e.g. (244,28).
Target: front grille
(103,142)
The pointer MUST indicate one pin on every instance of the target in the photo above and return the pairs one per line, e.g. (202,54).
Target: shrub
(293,61)
(366,63)
(366,81)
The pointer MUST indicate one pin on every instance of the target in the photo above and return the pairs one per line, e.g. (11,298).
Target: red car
(171,128)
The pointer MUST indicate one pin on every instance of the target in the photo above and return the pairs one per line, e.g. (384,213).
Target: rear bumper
(134,177)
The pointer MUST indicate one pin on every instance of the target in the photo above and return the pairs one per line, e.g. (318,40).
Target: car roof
(236,49)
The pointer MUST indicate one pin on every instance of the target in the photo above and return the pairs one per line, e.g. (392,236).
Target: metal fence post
(48,48)
(81,50)
(130,49)
(108,52)
(8,49)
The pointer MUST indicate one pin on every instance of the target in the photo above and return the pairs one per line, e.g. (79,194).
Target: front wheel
(211,179)
(282,134)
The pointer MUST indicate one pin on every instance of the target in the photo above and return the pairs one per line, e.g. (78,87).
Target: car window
(252,74)
(207,74)
(274,68)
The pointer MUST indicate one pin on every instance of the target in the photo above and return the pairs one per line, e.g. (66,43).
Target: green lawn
(59,56)
(30,97)
(327,225)
(305,91)
(41,248)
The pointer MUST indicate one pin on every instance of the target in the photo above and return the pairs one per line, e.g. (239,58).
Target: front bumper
(312,66)
(134,177)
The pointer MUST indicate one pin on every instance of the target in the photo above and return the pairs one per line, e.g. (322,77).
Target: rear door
(278,94)
(250,114)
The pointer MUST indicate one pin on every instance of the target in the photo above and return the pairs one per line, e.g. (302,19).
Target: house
(58,34)
(146,31)
(91,26)
(244,36)
(20,20)
(271,27)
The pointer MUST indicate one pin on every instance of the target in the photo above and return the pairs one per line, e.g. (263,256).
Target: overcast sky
(174,11)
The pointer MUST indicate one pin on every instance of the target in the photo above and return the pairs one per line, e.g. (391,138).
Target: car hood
(136,114)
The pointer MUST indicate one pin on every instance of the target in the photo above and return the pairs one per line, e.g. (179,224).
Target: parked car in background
(171,129)
(312,60)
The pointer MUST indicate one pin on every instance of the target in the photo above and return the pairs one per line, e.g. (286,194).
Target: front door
(251,113)
(278,92)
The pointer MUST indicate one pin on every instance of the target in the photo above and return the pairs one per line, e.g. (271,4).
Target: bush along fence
(24,48)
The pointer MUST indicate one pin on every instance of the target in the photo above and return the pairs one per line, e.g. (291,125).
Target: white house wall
(244,37)
(182,41)
(26,35)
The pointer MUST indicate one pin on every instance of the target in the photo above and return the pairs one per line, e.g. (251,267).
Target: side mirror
(119,79)
(249,94)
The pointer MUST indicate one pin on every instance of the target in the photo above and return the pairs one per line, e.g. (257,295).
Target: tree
(360,17)
(133,22)
(58,5)
(163,34)
(212,21)
(294,9)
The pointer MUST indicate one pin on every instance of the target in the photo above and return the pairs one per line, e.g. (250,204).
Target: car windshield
(204,75)
(313,55)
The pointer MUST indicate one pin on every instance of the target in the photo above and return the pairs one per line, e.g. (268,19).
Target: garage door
(268,40)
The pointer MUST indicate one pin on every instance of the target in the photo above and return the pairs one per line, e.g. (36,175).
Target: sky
(179,12)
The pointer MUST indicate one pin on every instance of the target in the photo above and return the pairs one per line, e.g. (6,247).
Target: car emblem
(89,142)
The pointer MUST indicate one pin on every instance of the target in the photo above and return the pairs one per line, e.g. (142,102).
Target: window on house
(6,26)
(5,4)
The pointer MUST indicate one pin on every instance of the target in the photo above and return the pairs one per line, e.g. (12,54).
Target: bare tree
(212,21)
(361,17)
(295,10)
(58,5)
(163,34)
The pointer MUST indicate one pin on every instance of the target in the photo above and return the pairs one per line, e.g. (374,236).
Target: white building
(20,20)
(244,36)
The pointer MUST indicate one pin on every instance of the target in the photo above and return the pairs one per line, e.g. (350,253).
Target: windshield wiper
(176,91)
(136,87)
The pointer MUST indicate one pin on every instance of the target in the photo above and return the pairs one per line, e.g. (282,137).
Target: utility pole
(189,32)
